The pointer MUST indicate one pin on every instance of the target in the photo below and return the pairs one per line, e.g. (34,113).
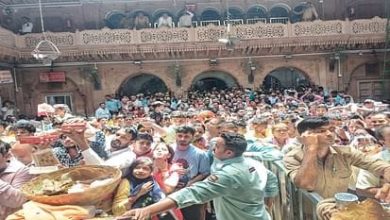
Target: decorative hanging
(229,40)
(45,51)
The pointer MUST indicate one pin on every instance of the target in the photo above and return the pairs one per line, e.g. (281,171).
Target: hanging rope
(46,51)
(41,16)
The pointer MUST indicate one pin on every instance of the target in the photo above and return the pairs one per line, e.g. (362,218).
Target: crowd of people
(177,154)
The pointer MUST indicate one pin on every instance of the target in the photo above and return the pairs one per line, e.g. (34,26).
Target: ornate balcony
(167,43)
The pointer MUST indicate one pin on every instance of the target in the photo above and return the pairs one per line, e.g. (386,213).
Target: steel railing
(208,22)
(283,20)
(256,20)
(291,203)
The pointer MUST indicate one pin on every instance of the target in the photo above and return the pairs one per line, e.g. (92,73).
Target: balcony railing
(309,33)
(256,20)
(208,22)
(234,22)
(282,20)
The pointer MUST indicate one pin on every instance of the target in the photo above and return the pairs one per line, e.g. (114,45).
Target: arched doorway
(257,12)
(144,83)
(234,13)
(210,14)
(285,77)
(297,12)
(279,13)
(113,19)
(213,79)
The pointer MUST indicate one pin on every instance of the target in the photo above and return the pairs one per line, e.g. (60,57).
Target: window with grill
(59,99)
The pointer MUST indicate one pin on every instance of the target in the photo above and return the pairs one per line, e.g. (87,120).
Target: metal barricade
(288,204)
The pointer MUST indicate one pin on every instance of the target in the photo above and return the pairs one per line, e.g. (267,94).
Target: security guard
(237,185)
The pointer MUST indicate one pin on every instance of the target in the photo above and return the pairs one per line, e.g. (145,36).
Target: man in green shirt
(237,185)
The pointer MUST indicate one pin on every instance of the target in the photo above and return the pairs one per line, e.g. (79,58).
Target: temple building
(126,47)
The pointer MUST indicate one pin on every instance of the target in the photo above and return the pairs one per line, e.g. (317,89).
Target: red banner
(52,77)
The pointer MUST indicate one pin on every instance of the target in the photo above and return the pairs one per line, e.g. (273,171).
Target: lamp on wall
(45,51)
(213,62)
(337,57)
(252,68)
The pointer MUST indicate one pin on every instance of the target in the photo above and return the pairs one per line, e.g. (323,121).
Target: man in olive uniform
(237,186)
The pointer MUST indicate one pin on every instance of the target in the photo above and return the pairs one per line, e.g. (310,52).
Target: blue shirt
(102,113)
(193,159)
(113,105)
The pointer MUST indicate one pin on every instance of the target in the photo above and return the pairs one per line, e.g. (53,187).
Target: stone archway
(142,83)
(213,79)
(286,77)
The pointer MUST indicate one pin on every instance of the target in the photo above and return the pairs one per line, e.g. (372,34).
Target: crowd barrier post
(288,204)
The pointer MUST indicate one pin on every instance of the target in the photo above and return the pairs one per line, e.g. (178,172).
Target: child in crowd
(138,189)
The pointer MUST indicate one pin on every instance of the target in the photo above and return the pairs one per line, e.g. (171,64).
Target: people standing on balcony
(310,13)
(165,21)
(27,26)
(351,15)
(141,21)
(69,24)
(186,19)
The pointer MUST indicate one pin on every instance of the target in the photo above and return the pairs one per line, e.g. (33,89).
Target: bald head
(23,152)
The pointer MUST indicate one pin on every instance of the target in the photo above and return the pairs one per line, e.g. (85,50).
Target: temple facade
(252,44)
